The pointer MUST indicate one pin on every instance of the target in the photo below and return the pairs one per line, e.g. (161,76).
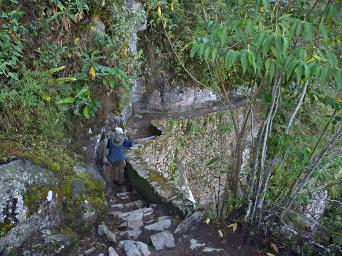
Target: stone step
(125,207)
(163,240)
(124,195)
(141,214)
(162,224)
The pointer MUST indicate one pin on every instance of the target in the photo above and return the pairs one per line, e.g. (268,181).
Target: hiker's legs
(115,173)
(107,173)
(121,171)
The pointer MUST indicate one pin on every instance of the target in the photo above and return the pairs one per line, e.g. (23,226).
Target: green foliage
(11,43)
(260,44)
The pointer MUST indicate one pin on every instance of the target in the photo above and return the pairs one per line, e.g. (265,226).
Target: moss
(55,155)
(73,207)
(5,227)
(34,197)
(66,230)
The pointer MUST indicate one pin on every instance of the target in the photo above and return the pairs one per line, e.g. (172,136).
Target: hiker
(115,156)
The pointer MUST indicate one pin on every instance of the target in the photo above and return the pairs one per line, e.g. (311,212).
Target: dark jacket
(117,153)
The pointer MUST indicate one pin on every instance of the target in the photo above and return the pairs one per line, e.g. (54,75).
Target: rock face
(52,205)
(15,178)
(154,186)
(47,217)
(178,99)
(182,153)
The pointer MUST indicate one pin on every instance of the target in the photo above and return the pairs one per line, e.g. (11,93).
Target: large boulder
(36,207)
(16,178)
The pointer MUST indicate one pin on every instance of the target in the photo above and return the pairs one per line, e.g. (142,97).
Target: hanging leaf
(324,77)
(220,233)
(299,72)
(86,112)
(279,45)
(323,30)
(251,60)
(268,65)
(286,45)
(207,52)
(231,58)
(272,70)
(92,73)
(338,79)
(244,61)
(267,44)
(306,72)
(223,36)
(214,54)
(298,28)
(270,254)
(260,40)
(308,32)
(159,12)
(233,226)
(292,65)
(259,62)
(274,247)
(194,49)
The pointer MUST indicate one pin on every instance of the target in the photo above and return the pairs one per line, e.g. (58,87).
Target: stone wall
(186,146)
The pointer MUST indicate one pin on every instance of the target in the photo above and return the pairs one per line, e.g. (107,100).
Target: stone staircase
(134,227)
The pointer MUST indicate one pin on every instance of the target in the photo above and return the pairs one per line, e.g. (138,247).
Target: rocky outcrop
(15,179)
(37,207)
(186,147)
(47,217)
(154,186)
(177,99)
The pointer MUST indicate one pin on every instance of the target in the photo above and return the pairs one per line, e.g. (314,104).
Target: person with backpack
(115,156)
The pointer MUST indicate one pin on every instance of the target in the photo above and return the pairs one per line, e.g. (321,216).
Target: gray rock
(78,188)
(190,224)
(315,208)
(117,207)
(123,195)
(98,27)
(163,240)
(132,234)
(89,169)
(15,178)
(47,217)
(135,215)
(179,99)
(112,252)
(103,230)
(159,225)
(90,251)
(211,250)
(89,214)
(133,248)
(194,244)
(135,204)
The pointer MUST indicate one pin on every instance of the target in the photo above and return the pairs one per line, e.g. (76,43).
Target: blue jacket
(117,153)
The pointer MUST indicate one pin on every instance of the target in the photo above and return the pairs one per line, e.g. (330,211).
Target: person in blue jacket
(115,155)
